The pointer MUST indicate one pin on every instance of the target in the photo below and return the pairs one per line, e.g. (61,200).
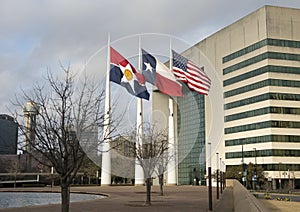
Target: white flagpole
(139,174)
(171,168)
(106,156)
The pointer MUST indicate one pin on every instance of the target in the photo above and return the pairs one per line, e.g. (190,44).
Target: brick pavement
(131,199)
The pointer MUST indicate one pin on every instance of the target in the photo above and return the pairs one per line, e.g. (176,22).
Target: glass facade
(8,135)
(191,139)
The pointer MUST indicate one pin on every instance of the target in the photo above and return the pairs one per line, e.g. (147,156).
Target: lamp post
(224,175)
(209,179)
(244,178)
(217,175)
(221,176)
(279,175)
(52,177)
(289,176)
(255,170)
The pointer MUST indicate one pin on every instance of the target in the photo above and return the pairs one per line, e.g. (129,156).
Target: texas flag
(124,74)
(156,73)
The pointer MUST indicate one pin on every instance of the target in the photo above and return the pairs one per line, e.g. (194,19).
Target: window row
(262,125)
(263,139)
(264,153)
(261,57)
(263,97)
(262,111)
(274,167)
(262,70)
(264,83)
(255,46)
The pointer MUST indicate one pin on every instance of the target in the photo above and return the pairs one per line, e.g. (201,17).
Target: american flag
(186,71)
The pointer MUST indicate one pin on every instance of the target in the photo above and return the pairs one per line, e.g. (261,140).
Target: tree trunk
(161,183)
(148,187)
(65,196)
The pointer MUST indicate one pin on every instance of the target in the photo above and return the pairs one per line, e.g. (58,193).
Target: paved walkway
(132,198)
(226,201)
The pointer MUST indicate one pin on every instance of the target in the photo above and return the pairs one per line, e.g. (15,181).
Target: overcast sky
(38,34)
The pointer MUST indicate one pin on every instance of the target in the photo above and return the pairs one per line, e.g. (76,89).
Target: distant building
(88,139)
(122,158)
(123,146)
(8,135)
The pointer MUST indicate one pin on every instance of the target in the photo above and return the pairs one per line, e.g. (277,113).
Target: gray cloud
(37,34)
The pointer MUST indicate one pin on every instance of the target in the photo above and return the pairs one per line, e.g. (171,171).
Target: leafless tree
(162,168)
(151,154)
(69,113)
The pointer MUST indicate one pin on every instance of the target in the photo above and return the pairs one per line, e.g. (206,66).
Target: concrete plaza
(132,198)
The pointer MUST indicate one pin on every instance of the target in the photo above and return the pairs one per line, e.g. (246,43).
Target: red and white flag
(186,71)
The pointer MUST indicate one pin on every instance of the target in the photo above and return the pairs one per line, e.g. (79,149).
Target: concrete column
(171,178)
(106,156)
(106,165)
(139,173)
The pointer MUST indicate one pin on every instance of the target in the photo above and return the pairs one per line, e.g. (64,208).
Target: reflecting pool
(21,199)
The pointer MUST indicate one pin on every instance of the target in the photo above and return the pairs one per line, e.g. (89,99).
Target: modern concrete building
(261,79)
(8,135)
(256,60)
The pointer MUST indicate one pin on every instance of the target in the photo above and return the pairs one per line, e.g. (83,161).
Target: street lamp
(209,179)
(244,178)
(255,169)
(217,175)
(279,169)
(224,175)
(221,176)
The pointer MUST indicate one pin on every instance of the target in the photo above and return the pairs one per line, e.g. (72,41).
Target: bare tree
(151,154)
(161,168)
(69,113)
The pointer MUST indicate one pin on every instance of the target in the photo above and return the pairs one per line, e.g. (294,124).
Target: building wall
(242,33)
(252,69)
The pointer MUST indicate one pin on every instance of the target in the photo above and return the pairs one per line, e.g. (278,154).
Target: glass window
(261,125)
(263,153)
(274,167)
(262,111)
(262,70)
(258,58)
(248,101)
(264,83)
(268,41)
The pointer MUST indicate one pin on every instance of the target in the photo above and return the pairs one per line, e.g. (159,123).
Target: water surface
(21,199)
